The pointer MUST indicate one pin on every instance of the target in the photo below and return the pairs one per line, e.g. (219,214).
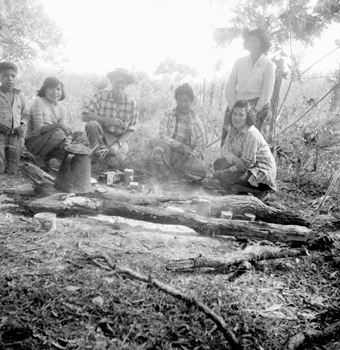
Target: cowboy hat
(121,73)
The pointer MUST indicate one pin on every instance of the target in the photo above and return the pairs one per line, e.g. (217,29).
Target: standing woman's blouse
(251,147)
(45,113)
(247,82)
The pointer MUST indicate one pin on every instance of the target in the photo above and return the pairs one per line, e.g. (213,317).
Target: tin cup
(128,176)
(203,208)
(133,185)
(141,188)
(227,214)
(249,217)
(46,222)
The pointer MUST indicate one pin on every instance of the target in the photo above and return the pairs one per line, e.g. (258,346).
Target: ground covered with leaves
(57,292)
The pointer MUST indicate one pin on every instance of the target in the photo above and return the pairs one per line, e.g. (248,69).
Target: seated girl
(247,165)
(48,128)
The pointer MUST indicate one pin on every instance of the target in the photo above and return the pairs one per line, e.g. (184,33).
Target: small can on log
(128,176)
(249,217)
(227,214)
(141,188)
(110,177)
(203,207)
(133,185)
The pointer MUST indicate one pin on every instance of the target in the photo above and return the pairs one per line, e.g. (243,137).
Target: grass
(62,299)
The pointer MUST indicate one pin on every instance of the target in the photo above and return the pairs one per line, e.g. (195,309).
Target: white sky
(139,34)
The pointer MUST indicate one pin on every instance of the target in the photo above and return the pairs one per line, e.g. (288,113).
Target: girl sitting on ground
(247,165)
(48,127)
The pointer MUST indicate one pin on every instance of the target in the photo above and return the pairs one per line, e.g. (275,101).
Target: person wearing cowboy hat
(111,117)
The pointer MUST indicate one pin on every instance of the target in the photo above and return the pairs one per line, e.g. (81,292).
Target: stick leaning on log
(217,319)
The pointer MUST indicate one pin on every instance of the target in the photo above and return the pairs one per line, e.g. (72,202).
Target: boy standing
(13,118)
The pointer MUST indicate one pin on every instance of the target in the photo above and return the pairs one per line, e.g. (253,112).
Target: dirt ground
(57,291)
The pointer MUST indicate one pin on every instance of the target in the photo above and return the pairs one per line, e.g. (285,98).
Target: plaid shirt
(251,147)
(13,115)
(175,129)
(104,105)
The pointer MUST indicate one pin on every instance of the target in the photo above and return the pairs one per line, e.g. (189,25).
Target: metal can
(46,222)
(134,185)
(227,214)
(110,177)
(141,188)
(249,217)
(128,176)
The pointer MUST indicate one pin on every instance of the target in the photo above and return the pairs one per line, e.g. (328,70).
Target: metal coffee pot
(74,175)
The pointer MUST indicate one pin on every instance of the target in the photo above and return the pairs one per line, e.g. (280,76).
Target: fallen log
(43,184)
(237,204)
(201,262)
(68,204)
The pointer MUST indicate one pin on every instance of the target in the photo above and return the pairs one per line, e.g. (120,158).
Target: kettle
(74,175)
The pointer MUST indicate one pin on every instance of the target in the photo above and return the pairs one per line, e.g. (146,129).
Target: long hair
(259,33)
(241,104)
(51,82)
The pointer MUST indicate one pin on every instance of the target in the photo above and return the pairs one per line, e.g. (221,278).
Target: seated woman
(247,165)
(48,128)
(182,138)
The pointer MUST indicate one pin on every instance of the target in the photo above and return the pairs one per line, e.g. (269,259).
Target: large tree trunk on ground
(65,205)
(238,204)
(43,184)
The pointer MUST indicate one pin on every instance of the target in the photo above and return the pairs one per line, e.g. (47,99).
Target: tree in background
(171,68)
(286,21)
(292,25)
(27,33)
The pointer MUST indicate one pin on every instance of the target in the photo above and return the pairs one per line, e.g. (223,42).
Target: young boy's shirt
(12,116)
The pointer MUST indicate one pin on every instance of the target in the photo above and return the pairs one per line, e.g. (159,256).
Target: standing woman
(48,127)
(252,79)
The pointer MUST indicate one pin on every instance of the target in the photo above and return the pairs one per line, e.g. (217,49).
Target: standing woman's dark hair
(51,82)
(241,104)
(259,33)
(185,89)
